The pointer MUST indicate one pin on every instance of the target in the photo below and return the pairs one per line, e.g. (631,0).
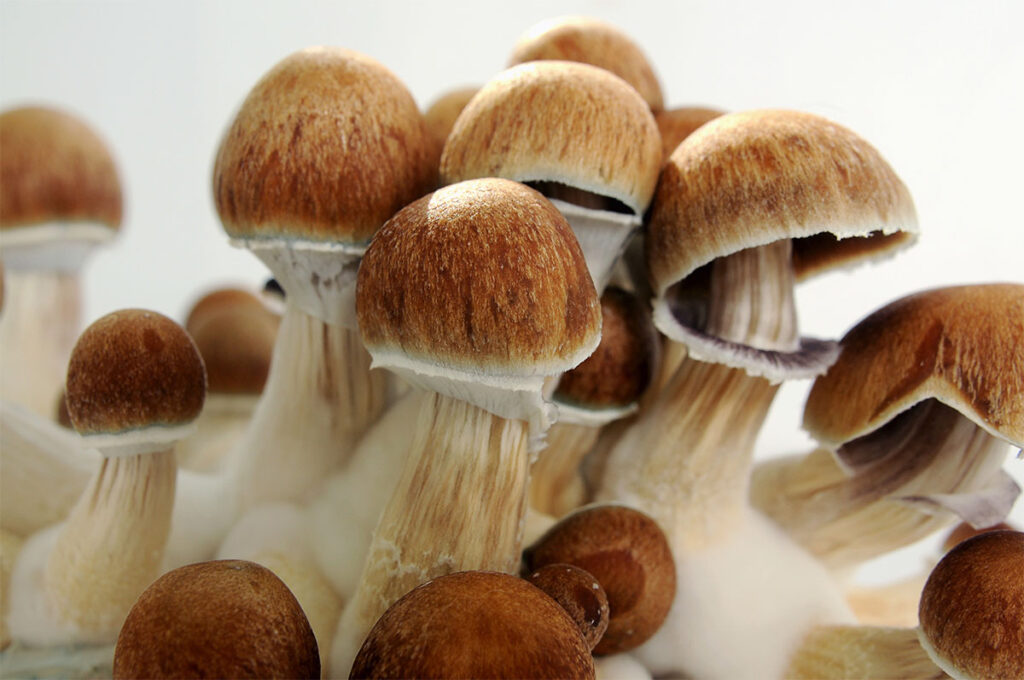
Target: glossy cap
(960,345)
(221,619)
(134,369)
(972,608)
(326,147)
(559,121)
(474,624)
(55,168)
(591,41)
(752,178)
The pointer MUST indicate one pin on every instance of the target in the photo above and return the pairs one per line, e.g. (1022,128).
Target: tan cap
(441,115)
(221,619)
(55,168)
(483,276)
(559,121)
(752,178)
(960,345)
(134,369)
(677,124)
(595,42)
(474,624)
(326,147)
(235,333)
(972,608)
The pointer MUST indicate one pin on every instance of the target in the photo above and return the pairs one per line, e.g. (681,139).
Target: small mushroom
(442,113)
(60,197)
(474,624)
(579,594)
(219,619)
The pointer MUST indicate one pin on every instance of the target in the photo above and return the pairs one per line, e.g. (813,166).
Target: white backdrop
(936,86)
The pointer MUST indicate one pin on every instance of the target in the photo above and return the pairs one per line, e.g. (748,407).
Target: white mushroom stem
(38,328)
(893,493)
(556,485)
(319,398)
(459,504)
(77,582)
(219,428)
(840,652)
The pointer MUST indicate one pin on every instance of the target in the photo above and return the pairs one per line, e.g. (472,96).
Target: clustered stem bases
(459,505)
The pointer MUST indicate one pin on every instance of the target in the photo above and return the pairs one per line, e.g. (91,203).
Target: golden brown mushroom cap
(54,167)
(752,178)
(441,115)
(221,619)
(960,345)
(484,276)
(134,369)
(972,608)
(677,124)
(474,624)
(591,41)
(326,147)
(559,121)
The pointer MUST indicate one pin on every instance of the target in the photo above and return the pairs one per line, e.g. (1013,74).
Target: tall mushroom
(477,293)
(135,384)
(577,133)
(746,205)
(326,147)
(916,419)
(60,196)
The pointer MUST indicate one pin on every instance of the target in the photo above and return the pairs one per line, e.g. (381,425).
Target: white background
(937,87)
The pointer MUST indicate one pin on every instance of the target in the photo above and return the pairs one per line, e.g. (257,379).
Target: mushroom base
(840,652)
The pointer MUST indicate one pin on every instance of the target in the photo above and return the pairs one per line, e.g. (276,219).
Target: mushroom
(135,385)
(60,196)
(628,555)
(591,41)
(677,124)
(877,652)
(10,546)
(220,619)
(577,133)
(478,294)
(235,332)
(917,418)
(440,116)
(725,244)
(579,594)
(602,389)
(326,147)
(474,624)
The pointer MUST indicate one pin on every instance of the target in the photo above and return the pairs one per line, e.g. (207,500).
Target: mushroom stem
(38,328)
(221,425)
(459,505)
(319,398)
(556,485)
(847,517)
(862,652)
(112,544)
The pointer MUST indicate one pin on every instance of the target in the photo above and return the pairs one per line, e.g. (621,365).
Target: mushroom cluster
(497,415)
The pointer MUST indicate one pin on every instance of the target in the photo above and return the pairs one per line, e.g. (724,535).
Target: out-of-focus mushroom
(921,411)
(595,42)
(220,619)
(477,293)
(628,555)
(10,546)
(474,624)
(843,652)
(60,197)
(440,116)
(972,608)
(602,389)
(135,385)
(235,333)
(677,124)
(326,147)
(577,133)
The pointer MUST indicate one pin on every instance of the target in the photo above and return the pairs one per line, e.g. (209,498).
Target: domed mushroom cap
(474,624)
(677,124)
(441,115)
(960,345)
(235,334)
(54,167)
(616,375)
(326,147)
(590,41)
(483,277)
(220,619)
(559,121)
(752,178)
(134,369)
(972,608)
